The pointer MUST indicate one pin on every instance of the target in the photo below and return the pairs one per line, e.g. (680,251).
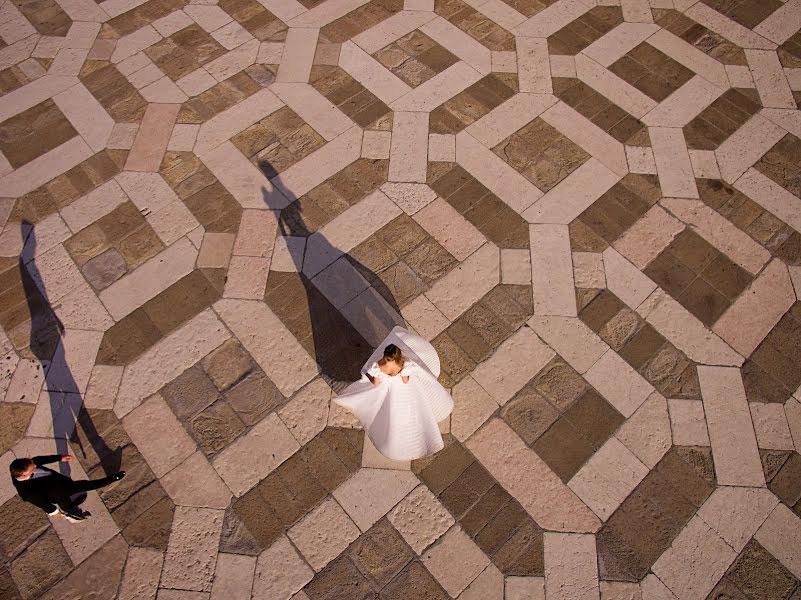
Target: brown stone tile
(145,519)
(414,583)
(445,467)
(559,383)
(642,346)
(748,13)
(137,476)
(254,397)
(468,487)
(340,580)
(514,304)
(702,300)
(190,393)
(563,449)
(430,261)
(580,33)
(529,414)
(456,364)
(380,553)
(327,468)
(141,245)
(616,559)
(781,367)
(300,481)
(21,523)
(215,209)
(760,386)
(181,301)
(41,565)
(33,132)
(501,528)
(601,310)
(127,339)
(257,517)
(47,17)
(216,427)
(758,574)
(114,92)
(280,499)
(346,444)
(523,554)
(594,418)
(227,365)
(670,273)
(720,119)
(260,22)
(482,512)
(235,537)
(786,484)
(614,212)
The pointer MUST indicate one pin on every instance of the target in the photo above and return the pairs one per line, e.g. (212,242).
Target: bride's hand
(405,378)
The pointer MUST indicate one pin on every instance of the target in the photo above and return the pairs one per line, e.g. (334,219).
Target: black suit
(53,491)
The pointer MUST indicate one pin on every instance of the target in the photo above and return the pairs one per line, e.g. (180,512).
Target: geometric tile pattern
(211,212)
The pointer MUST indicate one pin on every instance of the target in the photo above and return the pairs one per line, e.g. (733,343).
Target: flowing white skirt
(401,418)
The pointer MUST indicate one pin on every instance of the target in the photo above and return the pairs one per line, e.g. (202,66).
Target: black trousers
(63,497)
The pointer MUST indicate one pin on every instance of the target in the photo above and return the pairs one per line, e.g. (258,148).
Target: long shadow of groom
(334,305)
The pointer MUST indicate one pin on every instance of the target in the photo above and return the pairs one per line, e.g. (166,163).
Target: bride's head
(392,357)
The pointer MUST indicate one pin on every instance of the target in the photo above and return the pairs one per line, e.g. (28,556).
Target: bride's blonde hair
(392,354)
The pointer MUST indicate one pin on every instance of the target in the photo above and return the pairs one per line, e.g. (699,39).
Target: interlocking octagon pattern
(213,210)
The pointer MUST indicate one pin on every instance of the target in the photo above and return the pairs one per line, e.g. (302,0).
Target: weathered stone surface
(142,573)
(15,418)
(192,551)
(306,413)
(105,269)
(421,519)
(380,553)
(20,523)
(280,572)
(227,364)
(235,537)
(323,534)
(42,564)
(216,427)
(96,577)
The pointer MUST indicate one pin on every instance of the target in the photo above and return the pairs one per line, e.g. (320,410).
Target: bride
(398,398)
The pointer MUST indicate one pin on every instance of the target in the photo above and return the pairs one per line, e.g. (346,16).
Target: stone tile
(450,293)
(42,564)
(323,534)
(621,385)
(472,406)
(410,197)
(737,513)
(192,551)
(376,144)
(215,252)
(158,435)
(387,489)
(306,414)
(441,148)
(552,271)
(195,483)
(280,571)
(234,463)
(607,478)
(779,535)
(551,503)
(373,459)
(688,423)
(570,566)
(233,577)
(142,573)
(455,561)
(421,519)
(514,362)
(515,267)
(771,427)
(730,429)
(525,588)
(409,147)
(647,432)
(673,165)
(648,237)
(572,339)
(99,574)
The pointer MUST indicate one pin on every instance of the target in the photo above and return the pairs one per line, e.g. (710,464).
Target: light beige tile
(487,586)
(620,590)
(705,164)
(493,172)
(172,23)
(441,147)
(688,334)
(373,459)
(752,316)
(192,549)
(542,494)
(169,358)
(270,439)
(455,233)
(87,115)
(150,279)
(514,114)
(233,577)
(172,222)
(652,588)
(158,435)
(122,136)
(511,366)
(781,536)
(572,339)
(498,11)
(183,137)
(196,82)
(695,561)
(734,445)
(103,385)
(321,164)
(298,57)
(130,44)
(746,146)
(228,123)
(440,88)
(571,567)
(455,561)
(504,61)
(676,177)
(782,23)
(618,42)
(425,318)
(647,432)
(459,43)
(306,414)
(323,534)
(56,274)
(624,279)
(232,35)
(44,168)
(408,156)
(622,386)
(792,409)
(390,30)
(644,240)
(525,588)
(209,17)
(457,291)
(71,365)
(140,579)
(420,518)
(789,120)
(371,74)
(691,57)
(613,87)
(641,159)
(533,65)
(740,76)
(683,105)
(573,195)
(256,235)
(727,28)
(195,483)
(551,19)
(736,513)
(410,197)
(280,571)
(607,478)
(372,493)
(286,10)
(771,427)
(472,406)
(769,79)
(247,278)
(515,266)
(770,196)
(376,144)
(637,11)
(552,271)
(688,422)
(68,62)
(215,252)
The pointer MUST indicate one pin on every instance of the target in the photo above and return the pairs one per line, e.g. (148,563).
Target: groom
(50,490)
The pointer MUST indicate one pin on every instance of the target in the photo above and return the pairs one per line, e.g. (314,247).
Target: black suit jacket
(44,492)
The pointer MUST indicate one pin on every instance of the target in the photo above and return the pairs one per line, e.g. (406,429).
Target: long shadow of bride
(349,309)
(47,345)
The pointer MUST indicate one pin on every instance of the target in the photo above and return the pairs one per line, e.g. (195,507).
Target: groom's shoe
(118,476)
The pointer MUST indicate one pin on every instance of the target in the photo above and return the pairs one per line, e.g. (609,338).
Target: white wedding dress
(401,418)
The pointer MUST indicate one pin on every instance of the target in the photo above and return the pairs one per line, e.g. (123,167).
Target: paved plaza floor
(211,211)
